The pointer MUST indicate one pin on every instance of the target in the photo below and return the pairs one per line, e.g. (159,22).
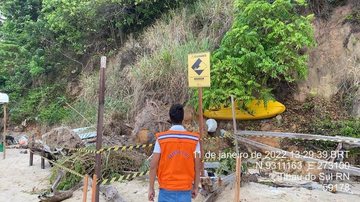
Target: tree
(45,44)
(266,43)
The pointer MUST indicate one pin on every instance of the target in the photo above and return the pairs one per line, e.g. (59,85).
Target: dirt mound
(333,64)
(61,137)
(152,119)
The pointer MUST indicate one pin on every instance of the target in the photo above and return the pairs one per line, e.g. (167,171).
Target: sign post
(100,122)
(4,99)
(4,143)
(199,77)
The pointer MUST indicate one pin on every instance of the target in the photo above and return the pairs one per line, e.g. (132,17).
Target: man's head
(176,113)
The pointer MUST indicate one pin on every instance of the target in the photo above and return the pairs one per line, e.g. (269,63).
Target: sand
(19,181)
(22,183)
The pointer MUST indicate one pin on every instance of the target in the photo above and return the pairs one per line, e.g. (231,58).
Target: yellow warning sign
(199,69)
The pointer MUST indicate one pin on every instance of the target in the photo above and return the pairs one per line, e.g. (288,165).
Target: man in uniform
(175,161)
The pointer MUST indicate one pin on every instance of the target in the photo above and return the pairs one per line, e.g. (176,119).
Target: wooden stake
(85,189)
(234,124)
(201,130)
(5,117)
(238,179)
(31,161)
(100,122)
(42,159)
(94,189)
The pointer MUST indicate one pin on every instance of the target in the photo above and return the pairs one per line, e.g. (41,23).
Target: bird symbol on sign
(196,66)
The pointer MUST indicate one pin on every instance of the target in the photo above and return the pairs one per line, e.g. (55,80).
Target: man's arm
(153,170)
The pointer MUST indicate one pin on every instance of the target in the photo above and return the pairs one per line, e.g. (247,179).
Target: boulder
(62,137)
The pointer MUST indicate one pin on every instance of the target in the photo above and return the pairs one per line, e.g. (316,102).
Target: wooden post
(100,122)
(94,189)
(234,124)
(201,131)
(5,117)
(31,162)
(42,159)
(238,179)
(85,189)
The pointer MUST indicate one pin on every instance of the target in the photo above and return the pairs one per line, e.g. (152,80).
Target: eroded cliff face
(335,62)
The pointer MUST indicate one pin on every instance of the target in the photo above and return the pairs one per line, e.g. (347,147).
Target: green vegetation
(45,45)
(265,44)
(113,164)
(153,65)
(347,128)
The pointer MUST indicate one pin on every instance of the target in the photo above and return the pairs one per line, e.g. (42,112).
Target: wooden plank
(220,187)
(93,190)
(234,122)
(42,159)
(31,160)
(212,164)
(347,140)
(85,189)
(238,179)
(326,164)
(100,123)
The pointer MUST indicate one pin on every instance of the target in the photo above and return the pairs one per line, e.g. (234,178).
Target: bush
(266,43)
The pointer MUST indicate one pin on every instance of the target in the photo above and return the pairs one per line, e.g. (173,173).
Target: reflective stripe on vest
(176,169)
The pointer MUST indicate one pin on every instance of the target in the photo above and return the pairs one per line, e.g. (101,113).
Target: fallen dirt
(61,137)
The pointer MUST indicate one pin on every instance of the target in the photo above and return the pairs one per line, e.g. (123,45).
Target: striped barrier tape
(227,135)
(129,147)
(113,148)
(123,177)
(61,166)
(124,148)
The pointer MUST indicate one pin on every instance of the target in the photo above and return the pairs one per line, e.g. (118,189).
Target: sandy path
(19,181)
(22,183)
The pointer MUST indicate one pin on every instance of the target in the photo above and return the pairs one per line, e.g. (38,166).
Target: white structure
(4,98)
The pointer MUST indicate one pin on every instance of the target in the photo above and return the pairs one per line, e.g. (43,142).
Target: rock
(111,194)
(19,129)
(279,119)
(153,117)
(301,95)
(145,136)
(189,114)
(61,137)
(266,127)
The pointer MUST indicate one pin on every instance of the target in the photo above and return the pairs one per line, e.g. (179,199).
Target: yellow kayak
(256,108)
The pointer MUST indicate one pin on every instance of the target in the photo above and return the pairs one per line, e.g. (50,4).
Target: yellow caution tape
(124,148)
(61,166)
(123,177)
(113,148)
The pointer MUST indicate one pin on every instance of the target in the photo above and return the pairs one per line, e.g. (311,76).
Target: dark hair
(176,113)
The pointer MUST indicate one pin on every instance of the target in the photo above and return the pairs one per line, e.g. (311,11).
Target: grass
(152,65)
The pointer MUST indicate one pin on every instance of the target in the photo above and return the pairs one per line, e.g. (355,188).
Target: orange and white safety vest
(176,170)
